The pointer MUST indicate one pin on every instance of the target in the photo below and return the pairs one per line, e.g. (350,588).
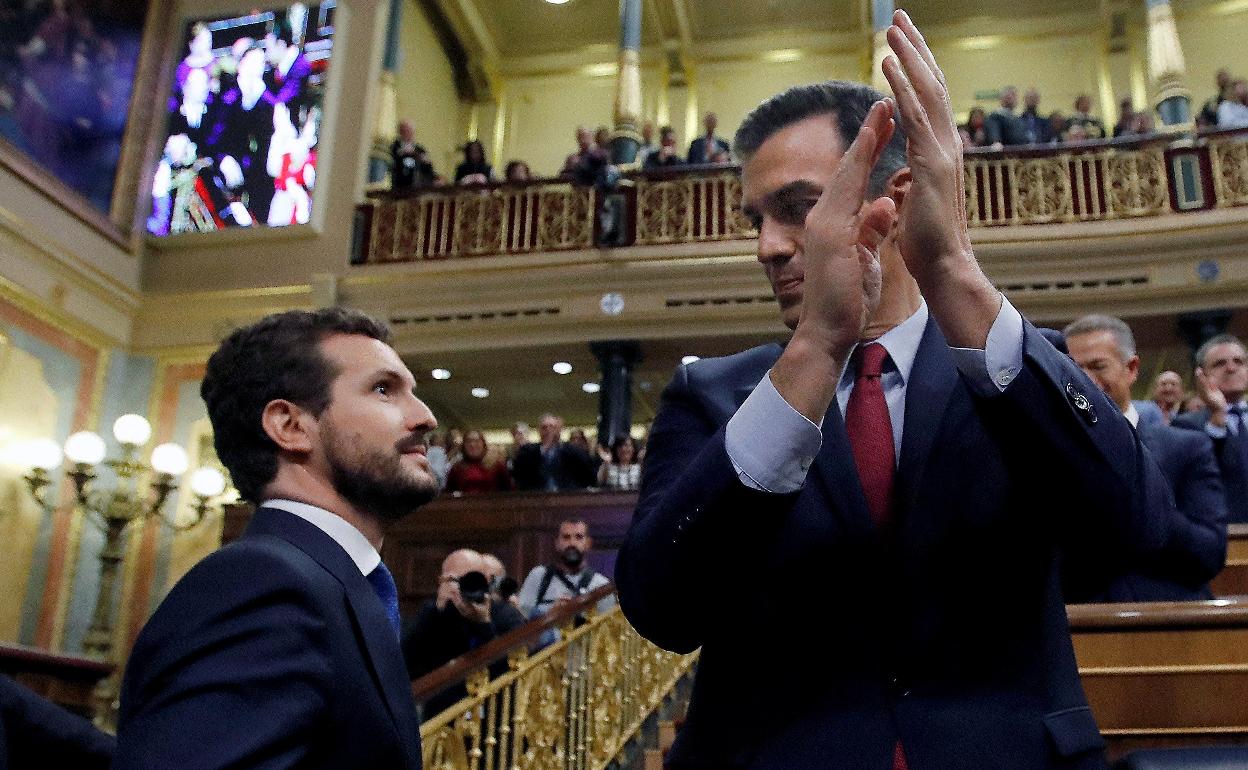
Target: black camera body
(474,587)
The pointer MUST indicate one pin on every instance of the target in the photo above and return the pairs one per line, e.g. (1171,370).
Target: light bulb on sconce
(84,448)
(170,459)
(132,430)
(207,482)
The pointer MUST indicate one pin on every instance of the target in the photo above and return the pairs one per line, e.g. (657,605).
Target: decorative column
(881,20)
(626,139)
(616,359)
(1166,68)
(387,116)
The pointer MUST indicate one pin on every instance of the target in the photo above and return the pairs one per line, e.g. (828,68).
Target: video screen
(66,72)
(244,121)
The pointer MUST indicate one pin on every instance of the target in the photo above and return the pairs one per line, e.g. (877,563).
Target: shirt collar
(1133,415)
(343,533)
(902,343)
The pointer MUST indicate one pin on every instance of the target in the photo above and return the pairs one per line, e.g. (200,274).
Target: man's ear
(1133,366)
(898,186)
(288,425)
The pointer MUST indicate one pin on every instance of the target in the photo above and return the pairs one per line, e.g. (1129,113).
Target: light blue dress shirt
(771,444)
(1232,422)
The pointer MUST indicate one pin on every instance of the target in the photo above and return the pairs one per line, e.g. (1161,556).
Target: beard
(374,480)
(571,557)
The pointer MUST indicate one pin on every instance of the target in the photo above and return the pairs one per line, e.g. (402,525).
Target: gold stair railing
(573,705)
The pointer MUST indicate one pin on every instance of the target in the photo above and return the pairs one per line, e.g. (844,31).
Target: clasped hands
(843,234)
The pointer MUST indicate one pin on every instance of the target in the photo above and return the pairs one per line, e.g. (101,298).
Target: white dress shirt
(344,534)
(771,444)
(1133,415)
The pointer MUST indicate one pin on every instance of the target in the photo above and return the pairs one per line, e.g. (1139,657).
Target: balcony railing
(1083,182)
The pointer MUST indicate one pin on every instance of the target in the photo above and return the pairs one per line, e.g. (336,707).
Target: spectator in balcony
(602,138)
(666,155)
(409,163)
(1077,132)
(1233,111)
(704,149)
(552,465)
(565,578)
(1003,127)
(975,132)
(647,143)
(519,437)
(1208,115)
(436,455)
(1057,127)
(1093,128)
(1036,125)
(517,171)
(1143,125)
(473,474)
(1221,382)
(474,169)
(1126,118)
(461,618)
(589,159)
(1195,550)
(1192,404)
(621,468)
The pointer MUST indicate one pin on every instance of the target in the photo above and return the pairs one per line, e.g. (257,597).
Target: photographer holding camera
(463,617)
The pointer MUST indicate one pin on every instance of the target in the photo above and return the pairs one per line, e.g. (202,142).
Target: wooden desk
(1233,581)
(66,680)
(1162,674)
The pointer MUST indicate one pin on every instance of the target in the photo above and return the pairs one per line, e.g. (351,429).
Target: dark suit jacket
(35,733)
(949,633)
(1196,549)
(698,153)
(273,652)
(1006,129)
(1232,454)
(575,469)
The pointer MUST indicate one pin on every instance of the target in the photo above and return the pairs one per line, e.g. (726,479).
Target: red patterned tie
(871,437)
(871,432)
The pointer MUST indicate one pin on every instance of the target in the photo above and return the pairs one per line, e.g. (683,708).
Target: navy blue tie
(383,583)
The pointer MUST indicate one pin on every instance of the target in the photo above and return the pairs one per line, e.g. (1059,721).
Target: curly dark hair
(278,357)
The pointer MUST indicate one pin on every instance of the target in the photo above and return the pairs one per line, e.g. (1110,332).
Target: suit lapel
(932,380)
(837,473)
(381,647)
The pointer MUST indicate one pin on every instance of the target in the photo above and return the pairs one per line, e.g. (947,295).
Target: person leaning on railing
(621,467)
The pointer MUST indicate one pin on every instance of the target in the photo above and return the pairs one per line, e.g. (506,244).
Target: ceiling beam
(479,52)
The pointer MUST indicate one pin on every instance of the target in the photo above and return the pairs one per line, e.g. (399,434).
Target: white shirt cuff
(990,371)
(771,444)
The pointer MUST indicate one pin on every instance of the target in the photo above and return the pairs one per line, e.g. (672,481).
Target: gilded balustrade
(1085,182)
(571,706)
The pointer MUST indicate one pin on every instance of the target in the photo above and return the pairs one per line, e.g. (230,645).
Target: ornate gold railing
(1085,182)
(571,706)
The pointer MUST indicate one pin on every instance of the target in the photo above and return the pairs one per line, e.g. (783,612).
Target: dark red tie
(871,437)
(871,432)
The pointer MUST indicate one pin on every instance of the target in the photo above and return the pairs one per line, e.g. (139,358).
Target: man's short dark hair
(1219,339)
(848,103)
(575,521)
(278,357)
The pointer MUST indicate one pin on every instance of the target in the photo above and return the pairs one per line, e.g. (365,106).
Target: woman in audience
(974,133)
(471,475)
(517,171)
(474,169)
(620,468)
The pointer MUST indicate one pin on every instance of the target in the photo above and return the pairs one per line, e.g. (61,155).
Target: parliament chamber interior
(549,206)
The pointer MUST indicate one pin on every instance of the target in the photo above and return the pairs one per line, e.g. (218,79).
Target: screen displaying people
(244,120)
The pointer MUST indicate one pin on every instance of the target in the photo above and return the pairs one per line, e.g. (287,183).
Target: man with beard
(282,648)
(555,584)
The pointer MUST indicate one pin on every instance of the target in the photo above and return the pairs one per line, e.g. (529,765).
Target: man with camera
(463,617)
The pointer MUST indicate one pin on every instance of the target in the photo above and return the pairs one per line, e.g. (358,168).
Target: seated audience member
(409,166)
(602,138)
(589,159)
(1221,381)
(565,578)
(1003,127)
(1233,112)
(552,465)
(1126,118)
(975,132)
(1143,124)
(647,143)
(1195,549)
(1164,404)
(704,149)
(1035,124)
(1057,127)
(36,733)
(620,467)
(666,154)
(472,475)
(578,439)
(1208,115)
(281,649)
(1077,132)
(517,171)
(474,169)
(461,618)
(1092,126)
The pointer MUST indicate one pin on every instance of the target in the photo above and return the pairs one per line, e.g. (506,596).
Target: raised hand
(932,232)
(1214,399)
